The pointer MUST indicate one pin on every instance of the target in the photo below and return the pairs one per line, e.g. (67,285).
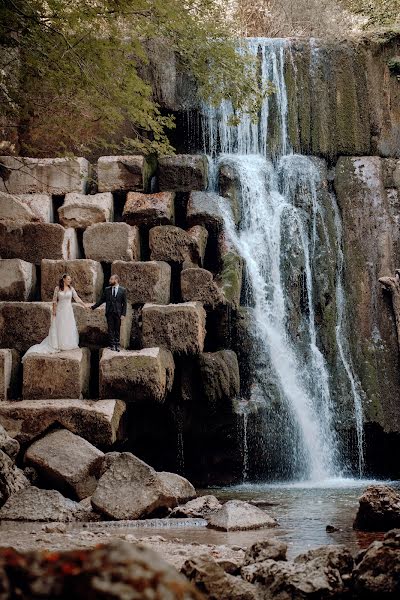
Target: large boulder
(200,507)
(269,549)
(174,244)
(34,504)
(236,515)
(60,375)
(17,279)
(87,278)
(23,324)
(120,570)
(97,421)
(136,375)
(8,444)
(128,488)
(149,209)
(220,377)
(207,209)
(198,285)
(93,330)
(26,208)
(379,509)
(148,281)
(179,327)
(175,488)
(230,275)
(12,479)
(33,242)
(377,570)
(9,360)
(124,173)
(43,175)
(107,242)
(67,462)
(183,173)
(81,211)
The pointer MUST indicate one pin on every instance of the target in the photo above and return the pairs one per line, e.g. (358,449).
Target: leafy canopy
(73,72)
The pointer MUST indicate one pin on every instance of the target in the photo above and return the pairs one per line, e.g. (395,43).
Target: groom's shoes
(117,349)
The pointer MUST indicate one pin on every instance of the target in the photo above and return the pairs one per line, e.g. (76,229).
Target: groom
(115,298)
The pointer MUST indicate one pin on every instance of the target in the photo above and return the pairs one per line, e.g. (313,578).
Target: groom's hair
(115,277)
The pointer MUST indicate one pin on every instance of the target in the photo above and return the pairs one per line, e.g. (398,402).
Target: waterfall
(280,208)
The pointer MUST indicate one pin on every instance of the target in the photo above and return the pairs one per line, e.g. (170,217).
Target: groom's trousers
(114,328)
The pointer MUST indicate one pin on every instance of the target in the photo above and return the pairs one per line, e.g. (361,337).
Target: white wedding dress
(63,333)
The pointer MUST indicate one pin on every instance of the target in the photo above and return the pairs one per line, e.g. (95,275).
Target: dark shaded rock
(219,375)
(236,515)
(379,509)
(12,479)
(271,548)
(183,173)
(207,209)
(198,285)
(377,571)
(23,324)
(150,209)
(7,443)
(173,244)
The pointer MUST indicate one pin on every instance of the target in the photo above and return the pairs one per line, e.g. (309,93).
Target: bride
(63,333)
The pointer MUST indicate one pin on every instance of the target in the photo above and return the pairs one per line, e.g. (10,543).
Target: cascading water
(280,209)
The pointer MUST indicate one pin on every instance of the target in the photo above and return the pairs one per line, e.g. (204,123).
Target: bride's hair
(61,283)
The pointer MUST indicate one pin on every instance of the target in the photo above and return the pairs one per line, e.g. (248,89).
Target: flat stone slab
(87,278)
(121,173)
(26,208)
(236,515)
(137,375)
(149,209)
(97,421)
(107,242)
(35,241)
(179,327)
(23,324)
(9,360)
(93,330)
(81,210)
(183,172)
(173,244)
(44,175)
(198,285)
(61,375)
(17,279)
(66,461)
(147,281)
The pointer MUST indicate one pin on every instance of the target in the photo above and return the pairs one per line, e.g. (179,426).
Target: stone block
(17,279)
(219,374)
(92,326)
(198,285)
(119,173)
(207,209)
(107,242)
(173,244)
(183,172)
(145,281)
(137,375)
(67,462)
(87,278)
(26,208)
(61,375)
(179,327)
(23,324)
(149,209)
(81,211)
(97,421)
(44,175)
(230,276)
(9,360)
(35,241)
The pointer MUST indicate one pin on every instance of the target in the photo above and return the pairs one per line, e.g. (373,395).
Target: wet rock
(87,278)
(119,570)
(198,285)
(17,279)
(269,549)
(206,208)
(198,508)
(80,210)
(44,175)
(331,529)
(148,281)
(12,479)
(137,375)
(230,188)
(120,173)
(236,515)
(93,330)
(183,173)
(211,579)
(9,360)
(23,324)
(176,488)
(34,504)
(220,378)
(67,462)
(174,244)
(230,276)
(379,509)
(7,443)
(33,242)
(178,327)
(60,375)
(377,570)
(97,421)
(26,208)
(107,242)
(149,209)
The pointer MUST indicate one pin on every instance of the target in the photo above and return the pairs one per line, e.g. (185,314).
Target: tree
(72,72)
(377,13)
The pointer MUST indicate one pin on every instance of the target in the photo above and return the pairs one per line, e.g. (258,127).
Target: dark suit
(115,309)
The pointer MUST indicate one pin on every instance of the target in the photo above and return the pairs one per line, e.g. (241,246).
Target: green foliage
(81,69)
(377,12)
